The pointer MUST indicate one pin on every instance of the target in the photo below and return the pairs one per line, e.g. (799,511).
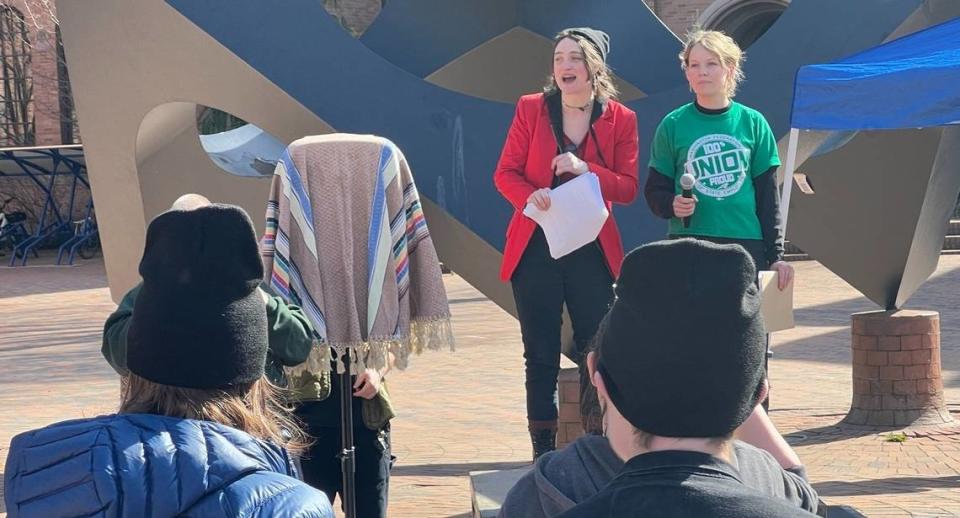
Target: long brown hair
(255,408)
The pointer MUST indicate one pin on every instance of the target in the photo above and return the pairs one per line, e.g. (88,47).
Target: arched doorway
(743,20)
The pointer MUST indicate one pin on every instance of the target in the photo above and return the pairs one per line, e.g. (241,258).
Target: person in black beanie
(289,332)
(200,431)
(678,368)
(201,271)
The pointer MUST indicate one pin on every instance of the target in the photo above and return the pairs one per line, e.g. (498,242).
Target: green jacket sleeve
(114,347)
(290,334)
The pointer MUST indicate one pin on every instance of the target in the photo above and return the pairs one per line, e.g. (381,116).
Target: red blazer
(524,167)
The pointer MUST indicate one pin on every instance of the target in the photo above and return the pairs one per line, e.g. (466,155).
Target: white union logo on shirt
(720,163)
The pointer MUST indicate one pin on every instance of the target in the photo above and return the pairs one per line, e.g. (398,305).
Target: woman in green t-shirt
(730,152)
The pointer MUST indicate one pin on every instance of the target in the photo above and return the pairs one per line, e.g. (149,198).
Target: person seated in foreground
(563,478)
(199,431)
(678,369)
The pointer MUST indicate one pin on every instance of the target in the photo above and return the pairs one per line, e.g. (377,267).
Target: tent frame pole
(788,178)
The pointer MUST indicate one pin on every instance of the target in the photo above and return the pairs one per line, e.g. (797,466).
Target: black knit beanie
(199,321)
(599,39)
(683,347)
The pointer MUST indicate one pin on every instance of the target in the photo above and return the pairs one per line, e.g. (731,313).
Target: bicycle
(88,248)
(13,228)
(85,241)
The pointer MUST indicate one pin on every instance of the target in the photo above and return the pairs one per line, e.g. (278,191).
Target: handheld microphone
(687,181)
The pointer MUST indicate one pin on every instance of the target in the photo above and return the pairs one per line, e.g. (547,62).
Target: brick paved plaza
(463,411)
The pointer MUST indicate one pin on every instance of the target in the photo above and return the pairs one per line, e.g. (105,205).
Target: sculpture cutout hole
(236,146)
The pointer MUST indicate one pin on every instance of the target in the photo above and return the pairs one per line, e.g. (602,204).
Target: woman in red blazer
(592,133)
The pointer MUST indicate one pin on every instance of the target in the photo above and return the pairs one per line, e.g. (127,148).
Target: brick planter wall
(569,426)
(896,369)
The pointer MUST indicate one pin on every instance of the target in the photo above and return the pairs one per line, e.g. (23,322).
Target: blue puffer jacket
(147,465)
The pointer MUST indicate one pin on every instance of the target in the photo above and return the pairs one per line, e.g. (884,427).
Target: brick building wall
(40,19)
(30,199)
(355,15)
(679,15)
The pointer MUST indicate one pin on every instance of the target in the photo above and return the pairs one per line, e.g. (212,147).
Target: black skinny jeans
(541,285)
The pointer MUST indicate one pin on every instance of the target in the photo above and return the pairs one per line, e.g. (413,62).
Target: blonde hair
(254,408)
(597,69)
(721,45)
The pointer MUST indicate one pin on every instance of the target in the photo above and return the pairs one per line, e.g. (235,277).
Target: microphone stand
(348,461)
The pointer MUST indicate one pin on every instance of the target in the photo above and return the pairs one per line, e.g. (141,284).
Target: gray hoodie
(566,477)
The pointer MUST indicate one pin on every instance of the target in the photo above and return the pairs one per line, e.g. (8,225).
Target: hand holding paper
(576,215)
(776,305)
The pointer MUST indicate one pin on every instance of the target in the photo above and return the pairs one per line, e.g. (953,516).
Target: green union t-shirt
(724,152)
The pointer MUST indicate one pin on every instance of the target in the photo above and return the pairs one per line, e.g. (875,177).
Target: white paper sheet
(576,215)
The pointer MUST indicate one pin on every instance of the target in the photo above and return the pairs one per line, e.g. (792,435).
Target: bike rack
(43,165)
(87,232)
(78,241)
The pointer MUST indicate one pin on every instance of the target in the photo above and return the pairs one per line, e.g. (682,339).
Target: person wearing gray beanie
(574,127)
(678,368)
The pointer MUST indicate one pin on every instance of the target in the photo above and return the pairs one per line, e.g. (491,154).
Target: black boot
(543,436)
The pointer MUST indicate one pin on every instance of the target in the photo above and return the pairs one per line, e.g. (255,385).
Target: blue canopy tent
(909,82)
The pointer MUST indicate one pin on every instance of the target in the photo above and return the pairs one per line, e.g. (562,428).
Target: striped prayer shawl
(347,241)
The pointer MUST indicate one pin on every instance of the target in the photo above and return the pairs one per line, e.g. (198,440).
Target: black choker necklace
(581,108)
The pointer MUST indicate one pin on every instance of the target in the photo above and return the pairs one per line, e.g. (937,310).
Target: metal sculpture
(140,69)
